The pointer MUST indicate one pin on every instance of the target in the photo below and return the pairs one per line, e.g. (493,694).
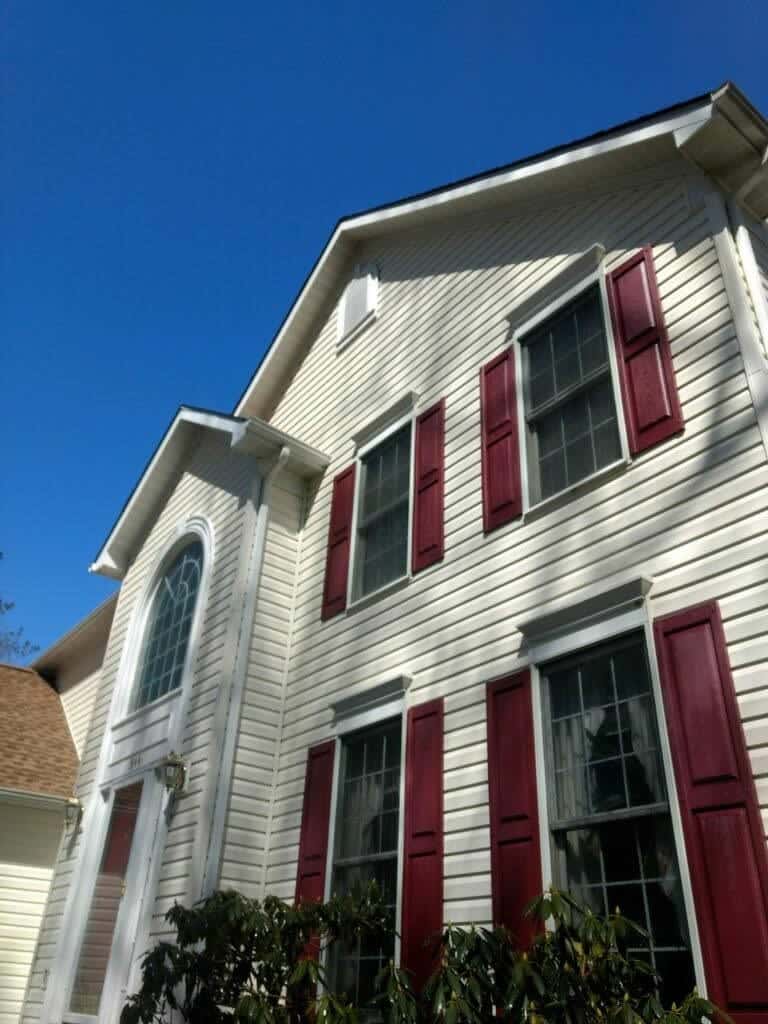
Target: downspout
(259,513)
(753,356)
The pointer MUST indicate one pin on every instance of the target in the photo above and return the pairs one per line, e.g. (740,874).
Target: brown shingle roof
(37,754)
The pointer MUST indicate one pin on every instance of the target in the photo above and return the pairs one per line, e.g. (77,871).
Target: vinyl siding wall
(215,484)
(79,701)
(691,513)
(247,827)
(758,234)
(29,841)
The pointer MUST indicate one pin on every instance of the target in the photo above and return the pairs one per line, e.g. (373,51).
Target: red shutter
(502,491)
(423,868)
(339,543)
(315,819)
(429,485)
(515,847)
(721,818)
(651,403)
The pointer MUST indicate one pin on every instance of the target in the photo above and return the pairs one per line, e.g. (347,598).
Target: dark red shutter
(429,486)
(651,403)
(721,817)
(339,543)
(515,846)
(502,491)
(423,868)
(315,819)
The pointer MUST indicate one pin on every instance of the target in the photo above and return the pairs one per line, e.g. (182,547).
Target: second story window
(169,625)
(383,513)
(571,426)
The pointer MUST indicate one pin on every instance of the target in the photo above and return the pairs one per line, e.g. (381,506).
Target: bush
(249,961)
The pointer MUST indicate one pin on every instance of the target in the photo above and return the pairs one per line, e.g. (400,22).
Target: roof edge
(487,180)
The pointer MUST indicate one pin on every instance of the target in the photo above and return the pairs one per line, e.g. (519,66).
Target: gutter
(37,801)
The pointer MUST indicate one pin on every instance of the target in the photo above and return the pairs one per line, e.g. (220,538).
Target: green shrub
(240,960)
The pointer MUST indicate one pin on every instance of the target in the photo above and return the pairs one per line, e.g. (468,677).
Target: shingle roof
(37,754)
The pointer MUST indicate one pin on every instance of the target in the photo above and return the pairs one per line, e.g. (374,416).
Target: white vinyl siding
(758,236)
(248,818)
(691,513)
(78,701)
(216,483)
(29,840)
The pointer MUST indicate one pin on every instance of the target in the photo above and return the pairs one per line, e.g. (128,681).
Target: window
(366,845)
(105,904)
(169,626)
(383,513)
(611,832)
(358,303)
(571,425)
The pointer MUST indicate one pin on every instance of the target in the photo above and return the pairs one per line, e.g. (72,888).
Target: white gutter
(38,801)
(227,718)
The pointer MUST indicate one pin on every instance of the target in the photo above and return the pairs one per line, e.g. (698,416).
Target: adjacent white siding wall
(691,513)
(245,840)
(216,484)
(79,701)
(29,840)
(758,234)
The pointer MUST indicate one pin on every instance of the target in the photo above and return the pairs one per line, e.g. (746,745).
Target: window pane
(567,354)
(170,623)
(105,903)
(382,549)
(605,759)
(367,830)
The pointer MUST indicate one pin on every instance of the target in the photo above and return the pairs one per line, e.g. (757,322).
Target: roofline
(249,436)
(153,455)
(348,221)
(50,654)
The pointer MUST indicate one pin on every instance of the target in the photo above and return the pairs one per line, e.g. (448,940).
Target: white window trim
(144,856)
(359,714)
(355,601)
(612,623)
(543,311)
(371,272)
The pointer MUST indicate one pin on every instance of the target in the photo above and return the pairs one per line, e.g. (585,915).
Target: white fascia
(494,188)
(247,436)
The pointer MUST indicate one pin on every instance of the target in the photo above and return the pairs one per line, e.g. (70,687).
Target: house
(469,592)
(38,767)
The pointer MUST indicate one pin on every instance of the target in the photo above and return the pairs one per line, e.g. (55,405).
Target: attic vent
(358,303)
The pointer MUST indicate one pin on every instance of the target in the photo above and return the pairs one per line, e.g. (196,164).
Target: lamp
(174,772)
(73,812)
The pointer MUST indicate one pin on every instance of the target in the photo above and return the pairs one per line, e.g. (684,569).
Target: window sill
(388,588)
(563,497)
(358,329)
(146,709)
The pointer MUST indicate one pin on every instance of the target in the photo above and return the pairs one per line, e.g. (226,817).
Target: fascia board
(112,560)
(496,186)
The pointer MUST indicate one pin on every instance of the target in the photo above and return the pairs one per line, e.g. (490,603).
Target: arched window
(169,625)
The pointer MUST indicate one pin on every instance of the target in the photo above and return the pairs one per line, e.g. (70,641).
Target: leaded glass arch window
(169,626)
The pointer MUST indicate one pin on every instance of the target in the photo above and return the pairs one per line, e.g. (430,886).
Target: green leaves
(261,962)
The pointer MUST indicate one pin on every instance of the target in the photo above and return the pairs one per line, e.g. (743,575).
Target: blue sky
(171,170)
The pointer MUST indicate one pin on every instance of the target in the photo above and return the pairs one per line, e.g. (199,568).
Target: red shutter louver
(651,403)
(718,802)
(502,491)
(515,846)
(429,485)
(423,868)
(339,543)
(315,821)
